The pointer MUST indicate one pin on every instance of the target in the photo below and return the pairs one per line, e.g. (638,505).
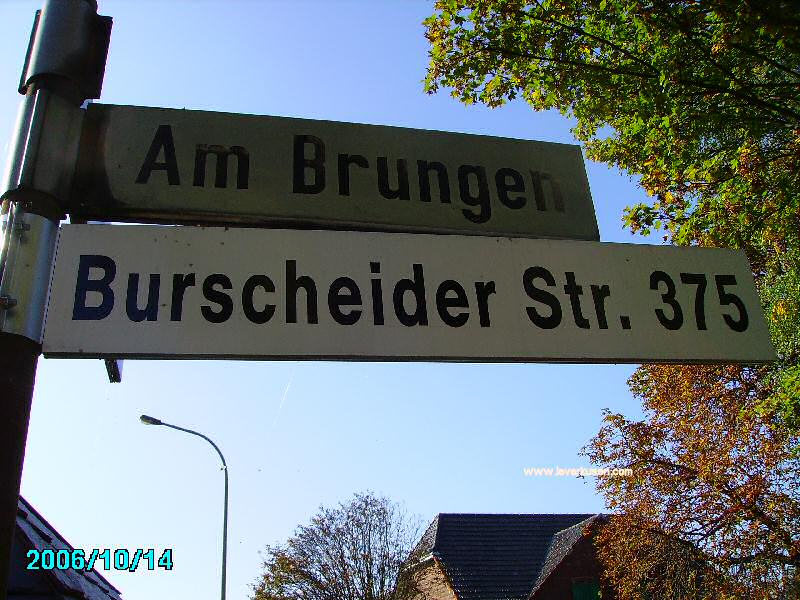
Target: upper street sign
(168,166)
(193,292)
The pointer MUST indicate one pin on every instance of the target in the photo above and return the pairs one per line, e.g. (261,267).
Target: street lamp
(153,421)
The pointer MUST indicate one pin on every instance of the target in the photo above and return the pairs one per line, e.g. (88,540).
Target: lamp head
(150,420)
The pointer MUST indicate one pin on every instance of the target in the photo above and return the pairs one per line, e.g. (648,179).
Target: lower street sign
(191,292)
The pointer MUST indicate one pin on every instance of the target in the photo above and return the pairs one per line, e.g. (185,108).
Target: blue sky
(435,437)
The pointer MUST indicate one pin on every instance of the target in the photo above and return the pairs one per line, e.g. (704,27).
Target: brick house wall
(429,582)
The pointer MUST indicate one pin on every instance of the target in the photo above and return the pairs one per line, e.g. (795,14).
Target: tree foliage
(642,561)
(351,552)
(700,100)
(708,473)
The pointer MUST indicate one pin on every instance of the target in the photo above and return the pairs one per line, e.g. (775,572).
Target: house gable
(492,556)
(34,532)
(575,577)
(428,581)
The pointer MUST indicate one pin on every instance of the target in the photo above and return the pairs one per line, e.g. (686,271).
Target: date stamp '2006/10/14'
(119,559)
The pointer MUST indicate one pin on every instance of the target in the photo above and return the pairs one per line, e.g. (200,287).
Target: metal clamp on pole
(69,41)
(29,243)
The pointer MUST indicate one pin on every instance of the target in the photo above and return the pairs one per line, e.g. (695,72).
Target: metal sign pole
(63,67)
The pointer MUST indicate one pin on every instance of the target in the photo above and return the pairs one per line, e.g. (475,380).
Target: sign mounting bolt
(7,302)
(18,226)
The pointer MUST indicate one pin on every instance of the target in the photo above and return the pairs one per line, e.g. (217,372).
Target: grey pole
(153,421)
(64,66)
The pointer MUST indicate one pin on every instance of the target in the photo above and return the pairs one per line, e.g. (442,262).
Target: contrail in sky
(285,393)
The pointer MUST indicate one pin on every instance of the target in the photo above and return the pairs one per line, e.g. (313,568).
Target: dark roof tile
(494,556)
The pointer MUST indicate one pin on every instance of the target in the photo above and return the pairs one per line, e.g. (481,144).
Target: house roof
(424,546)
(495,556)
(37,533)
(562,544)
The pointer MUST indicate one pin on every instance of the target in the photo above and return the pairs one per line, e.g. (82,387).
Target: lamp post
(153,421)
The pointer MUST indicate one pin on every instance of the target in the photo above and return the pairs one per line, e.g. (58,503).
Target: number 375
(672,318)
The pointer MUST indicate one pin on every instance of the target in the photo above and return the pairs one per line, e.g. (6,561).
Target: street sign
(168,166)
(192,292)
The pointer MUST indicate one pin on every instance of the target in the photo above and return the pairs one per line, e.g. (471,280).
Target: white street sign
(193,292)
(168,166)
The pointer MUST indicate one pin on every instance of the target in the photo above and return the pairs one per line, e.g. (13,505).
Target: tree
(642,561)
(351,552)
(701,97)
(700,101)
(712,481)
